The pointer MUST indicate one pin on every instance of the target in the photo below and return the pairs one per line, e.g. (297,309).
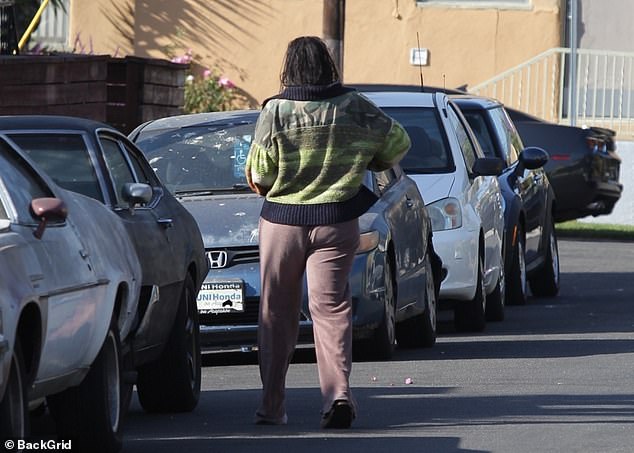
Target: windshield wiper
(241,186)
(194,192)
(198,192)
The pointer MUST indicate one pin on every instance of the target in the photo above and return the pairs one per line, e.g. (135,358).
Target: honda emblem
(217,259)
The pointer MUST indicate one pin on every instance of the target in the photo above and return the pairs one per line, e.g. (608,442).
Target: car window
(516,141)
(22,184)
(3,211)
(210,157)
(429,150)
(477,122)
(118,167)
(143,172)
(466,147)
(65,158)
(511,143)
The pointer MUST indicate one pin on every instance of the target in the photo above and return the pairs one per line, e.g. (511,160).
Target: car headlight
(445,214)
(368,241)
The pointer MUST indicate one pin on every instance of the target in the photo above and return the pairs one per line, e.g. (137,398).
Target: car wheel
(420,330)
(172,383)
(497,299)
(516,281)
(470,316)
(14,416)
(91,413)
(545,282)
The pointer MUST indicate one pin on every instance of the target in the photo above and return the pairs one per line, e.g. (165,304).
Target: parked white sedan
(460,189)
(69,287)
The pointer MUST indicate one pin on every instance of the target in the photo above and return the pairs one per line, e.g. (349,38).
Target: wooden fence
(122,92)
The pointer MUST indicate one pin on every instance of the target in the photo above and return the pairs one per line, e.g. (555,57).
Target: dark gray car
(96,160)
(201,159)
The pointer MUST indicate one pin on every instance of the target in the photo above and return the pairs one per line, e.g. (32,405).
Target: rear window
(429,152)
(65,158)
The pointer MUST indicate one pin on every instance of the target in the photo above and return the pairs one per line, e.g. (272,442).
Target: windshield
(429,152)
(201,158)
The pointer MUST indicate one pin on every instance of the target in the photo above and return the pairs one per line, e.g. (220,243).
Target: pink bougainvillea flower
(225,82)
(206,73)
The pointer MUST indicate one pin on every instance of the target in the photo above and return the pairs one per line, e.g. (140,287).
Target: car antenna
(420,65)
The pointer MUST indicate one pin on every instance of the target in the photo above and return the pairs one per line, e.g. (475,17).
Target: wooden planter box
(123,92)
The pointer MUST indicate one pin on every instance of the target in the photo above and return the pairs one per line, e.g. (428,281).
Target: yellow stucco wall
(246,39)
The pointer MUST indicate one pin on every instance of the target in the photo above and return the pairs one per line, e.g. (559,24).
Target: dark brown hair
(308,62)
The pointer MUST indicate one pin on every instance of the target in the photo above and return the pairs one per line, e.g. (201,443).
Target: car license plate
(226,296)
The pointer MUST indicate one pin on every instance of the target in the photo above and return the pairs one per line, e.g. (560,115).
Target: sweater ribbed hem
(319,214)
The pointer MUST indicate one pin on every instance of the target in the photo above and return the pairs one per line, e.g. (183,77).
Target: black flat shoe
(340,416)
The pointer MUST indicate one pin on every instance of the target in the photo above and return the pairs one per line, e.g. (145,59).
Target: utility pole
(573,63)
(333,26)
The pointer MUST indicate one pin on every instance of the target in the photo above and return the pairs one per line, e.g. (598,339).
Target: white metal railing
(540,86)
(52,32)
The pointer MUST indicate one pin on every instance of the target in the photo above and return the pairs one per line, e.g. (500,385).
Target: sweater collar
(311,92)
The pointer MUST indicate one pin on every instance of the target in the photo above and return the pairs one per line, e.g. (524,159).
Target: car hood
(433,187)
(226,220)
(232,220)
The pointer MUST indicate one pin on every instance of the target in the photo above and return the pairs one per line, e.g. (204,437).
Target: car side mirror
(135,193)
(47,210)
(488,166)
(533,157)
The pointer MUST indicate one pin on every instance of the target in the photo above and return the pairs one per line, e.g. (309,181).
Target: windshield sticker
(240,151)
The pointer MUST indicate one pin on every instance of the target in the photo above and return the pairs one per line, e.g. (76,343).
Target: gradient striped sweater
(311,148)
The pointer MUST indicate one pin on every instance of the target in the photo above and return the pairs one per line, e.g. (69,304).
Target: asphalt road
(555,376)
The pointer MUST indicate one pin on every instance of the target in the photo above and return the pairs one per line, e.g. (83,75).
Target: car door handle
(166,223)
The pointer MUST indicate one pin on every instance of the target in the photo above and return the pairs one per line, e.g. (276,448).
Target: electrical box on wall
(418,56)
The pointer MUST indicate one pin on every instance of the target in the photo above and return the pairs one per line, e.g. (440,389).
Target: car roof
(410,88)
(401,98)
(469,102)
(200,119)
(35,122)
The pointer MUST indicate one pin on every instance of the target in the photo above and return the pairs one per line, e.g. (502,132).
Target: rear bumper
(594,198)
(592,191)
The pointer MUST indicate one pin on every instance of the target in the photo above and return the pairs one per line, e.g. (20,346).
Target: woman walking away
(312,145)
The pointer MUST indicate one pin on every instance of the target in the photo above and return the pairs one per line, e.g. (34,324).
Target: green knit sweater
(316,152)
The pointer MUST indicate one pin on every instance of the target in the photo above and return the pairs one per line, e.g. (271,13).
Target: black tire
(496,301)
(14,414)
(470,316)
(380,346)
(91,413)
(172,383)
(516,279)
(545,281)
(420,330)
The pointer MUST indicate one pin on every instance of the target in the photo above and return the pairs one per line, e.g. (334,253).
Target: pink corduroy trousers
(326,254)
